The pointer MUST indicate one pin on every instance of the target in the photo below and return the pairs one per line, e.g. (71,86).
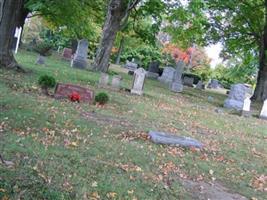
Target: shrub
(44,48)
(101,98)
(46,82)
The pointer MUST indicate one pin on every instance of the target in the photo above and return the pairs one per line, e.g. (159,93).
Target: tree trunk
(260,93)
(118,59)
(9,15)
(117,10)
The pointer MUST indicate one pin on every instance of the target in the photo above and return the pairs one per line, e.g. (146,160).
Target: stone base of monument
(165,81)
(138,92)
(176,87)
(152,75)
(233,104)
(169,139)
(79,63)
(245,113)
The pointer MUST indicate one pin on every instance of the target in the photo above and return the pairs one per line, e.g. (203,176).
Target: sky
(213,52)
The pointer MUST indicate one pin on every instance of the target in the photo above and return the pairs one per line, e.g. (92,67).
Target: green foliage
(203,71)
(101,98)
(144,54)
(46,81)
(44,48)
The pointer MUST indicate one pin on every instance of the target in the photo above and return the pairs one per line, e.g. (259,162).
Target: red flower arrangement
(75,97)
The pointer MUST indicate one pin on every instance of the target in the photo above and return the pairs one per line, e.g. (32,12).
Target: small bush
(101,98)
(44,49)
(46,81)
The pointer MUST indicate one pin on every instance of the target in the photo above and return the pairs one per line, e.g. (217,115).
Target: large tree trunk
(118,59)
(117,10)
(260,93)
(10,14)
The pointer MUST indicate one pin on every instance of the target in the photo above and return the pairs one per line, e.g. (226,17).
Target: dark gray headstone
(200,85)
(170,139)
(80,57)
(154,67)
(167,75)
(189,81)
(177,85)
(236,97)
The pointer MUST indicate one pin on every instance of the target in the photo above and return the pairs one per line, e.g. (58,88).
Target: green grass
(110,158)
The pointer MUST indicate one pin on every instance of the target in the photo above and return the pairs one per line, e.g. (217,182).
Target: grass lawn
(65,150)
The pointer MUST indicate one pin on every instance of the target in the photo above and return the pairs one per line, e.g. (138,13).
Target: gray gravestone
(200,85)
(116,82)
(80,57)
(103,81)
(40,60)
(236,97)
(131,65)
(138,82)
(169,139)
(189,81)
(214,84)
(177,85)
(263,114)
(167,75)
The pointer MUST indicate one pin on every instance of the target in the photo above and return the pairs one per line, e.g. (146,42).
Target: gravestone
(103,80)
(189,81)
(200,85)
(167,75)
(80,57)
(67,53)
(131,66)
(138,82)
(246,107)
(170,139)
(236,97)
(116,82)
(177,85)
(65,90)
(214,84)
(40,60)
(263,114)
(153,70)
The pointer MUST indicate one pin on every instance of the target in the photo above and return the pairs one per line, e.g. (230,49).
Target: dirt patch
(102,119)
(215,191)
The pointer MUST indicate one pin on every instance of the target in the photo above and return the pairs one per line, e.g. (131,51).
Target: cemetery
(95,110)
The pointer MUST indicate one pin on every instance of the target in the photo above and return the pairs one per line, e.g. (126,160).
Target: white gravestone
(263,114)
(138,82)
(246,107)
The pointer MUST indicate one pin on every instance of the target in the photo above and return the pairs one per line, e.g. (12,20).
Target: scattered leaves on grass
(260,183)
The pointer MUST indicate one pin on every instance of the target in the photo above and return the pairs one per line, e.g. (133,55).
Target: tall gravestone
(167,75)
(263,114)
(138,82)
(236,97)
(177,85)
(80,57)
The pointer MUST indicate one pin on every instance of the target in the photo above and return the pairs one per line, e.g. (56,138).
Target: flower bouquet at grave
(75,97)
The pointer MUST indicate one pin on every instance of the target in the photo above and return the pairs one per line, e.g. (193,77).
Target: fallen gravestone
(138,82)
(80,57)
(66,90)
(263,114)
(236,97)
(169,139)
(67,54)
(177,85)
(153,70)
(116,82)
(167,75)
